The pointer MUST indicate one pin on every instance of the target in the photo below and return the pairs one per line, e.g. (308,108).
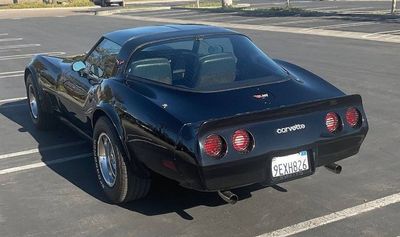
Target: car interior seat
(156,69)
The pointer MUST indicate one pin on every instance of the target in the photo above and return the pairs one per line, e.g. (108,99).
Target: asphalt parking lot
(47,179)
(367,26)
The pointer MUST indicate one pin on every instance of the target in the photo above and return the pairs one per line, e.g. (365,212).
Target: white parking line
(10,39)
(19,56)
(11,72)
(36,150)
(358,9)
(1,34)
(248,20)
(166,12)
(321,8)
(14,75)
(222,17)
(380,34)
(12,100)
(203,16)
(42,164)
(295,22)
(19,46)
(172,14)
(344,25)
(334,217)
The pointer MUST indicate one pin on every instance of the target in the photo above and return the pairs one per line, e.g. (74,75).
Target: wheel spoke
(106,156)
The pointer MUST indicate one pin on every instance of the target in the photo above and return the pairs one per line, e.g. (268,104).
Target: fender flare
(108,110)
(35,81)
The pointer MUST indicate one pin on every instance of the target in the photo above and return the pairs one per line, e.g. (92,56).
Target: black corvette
(198,104)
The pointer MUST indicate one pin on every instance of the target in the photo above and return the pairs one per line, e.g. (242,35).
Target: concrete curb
(240,5)
(49,9)
(124,10)
(155,1)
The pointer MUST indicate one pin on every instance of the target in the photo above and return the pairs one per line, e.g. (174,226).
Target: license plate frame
(303,156)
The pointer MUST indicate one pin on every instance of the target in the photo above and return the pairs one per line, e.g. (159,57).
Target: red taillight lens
(352,116)
(242,141)
(214,146)
(332,121)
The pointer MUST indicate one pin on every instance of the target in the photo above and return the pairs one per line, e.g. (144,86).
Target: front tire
(42,119)
(115,176)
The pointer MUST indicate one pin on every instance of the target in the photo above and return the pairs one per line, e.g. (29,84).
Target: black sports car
(198,104)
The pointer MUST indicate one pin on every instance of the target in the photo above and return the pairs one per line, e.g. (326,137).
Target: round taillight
(332,122)
(242,141)
(214,146)
(352,116)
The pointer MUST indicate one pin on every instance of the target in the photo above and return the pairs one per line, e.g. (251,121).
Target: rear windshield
(209,63)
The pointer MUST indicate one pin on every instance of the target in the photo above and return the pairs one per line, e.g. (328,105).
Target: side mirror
(78,66)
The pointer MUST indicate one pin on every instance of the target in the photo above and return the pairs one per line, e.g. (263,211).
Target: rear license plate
(290,164)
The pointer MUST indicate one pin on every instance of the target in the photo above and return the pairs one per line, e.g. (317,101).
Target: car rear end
(276,145)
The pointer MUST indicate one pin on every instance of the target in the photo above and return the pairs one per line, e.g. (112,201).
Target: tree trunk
(288,3)
(393,6)
(198,3)
(226,3)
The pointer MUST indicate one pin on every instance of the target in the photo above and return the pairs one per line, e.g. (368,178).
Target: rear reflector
(332,122)
(214,146)
(352,116)
(241,141)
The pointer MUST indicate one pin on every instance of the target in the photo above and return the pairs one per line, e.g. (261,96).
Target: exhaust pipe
(228,196)
(335,168)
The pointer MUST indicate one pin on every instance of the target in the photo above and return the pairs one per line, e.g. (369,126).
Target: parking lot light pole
(226,3)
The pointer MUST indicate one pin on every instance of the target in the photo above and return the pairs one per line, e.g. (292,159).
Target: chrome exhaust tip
(228,196)
(335,168)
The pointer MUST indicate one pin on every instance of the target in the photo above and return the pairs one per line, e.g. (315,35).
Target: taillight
(242,141)
(352,117)
(214,146)
(332,122)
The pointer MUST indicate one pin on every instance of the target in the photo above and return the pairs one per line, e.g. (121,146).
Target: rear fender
(108,110)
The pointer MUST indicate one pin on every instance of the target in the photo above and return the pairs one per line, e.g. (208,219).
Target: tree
(226,3)
(393,6)
(288,3)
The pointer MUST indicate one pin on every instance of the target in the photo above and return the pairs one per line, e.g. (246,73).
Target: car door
(77,90)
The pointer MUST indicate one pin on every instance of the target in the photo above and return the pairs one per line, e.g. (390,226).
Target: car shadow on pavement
(165,196)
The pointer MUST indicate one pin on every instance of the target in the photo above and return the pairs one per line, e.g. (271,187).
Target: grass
(279,11)
(70,3)
(246,11)
(204,4)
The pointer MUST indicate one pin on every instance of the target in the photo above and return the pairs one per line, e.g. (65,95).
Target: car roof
(122,36)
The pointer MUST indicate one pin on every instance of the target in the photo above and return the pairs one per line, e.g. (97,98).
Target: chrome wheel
(32,101)
(107,159)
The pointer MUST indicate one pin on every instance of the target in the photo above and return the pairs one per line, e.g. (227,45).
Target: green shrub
(68,3)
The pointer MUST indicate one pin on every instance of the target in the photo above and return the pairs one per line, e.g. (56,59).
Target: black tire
(41,118)
(122,4)
(103,3)
(127,186)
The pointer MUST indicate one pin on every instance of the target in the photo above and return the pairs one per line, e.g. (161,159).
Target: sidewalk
(44,12)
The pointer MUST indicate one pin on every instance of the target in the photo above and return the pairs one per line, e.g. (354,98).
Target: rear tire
(41,118)
(122,4)
(115,176)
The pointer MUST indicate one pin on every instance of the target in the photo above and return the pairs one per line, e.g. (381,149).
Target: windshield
(210,63)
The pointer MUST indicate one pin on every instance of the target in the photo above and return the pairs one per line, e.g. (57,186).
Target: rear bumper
(228,175)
